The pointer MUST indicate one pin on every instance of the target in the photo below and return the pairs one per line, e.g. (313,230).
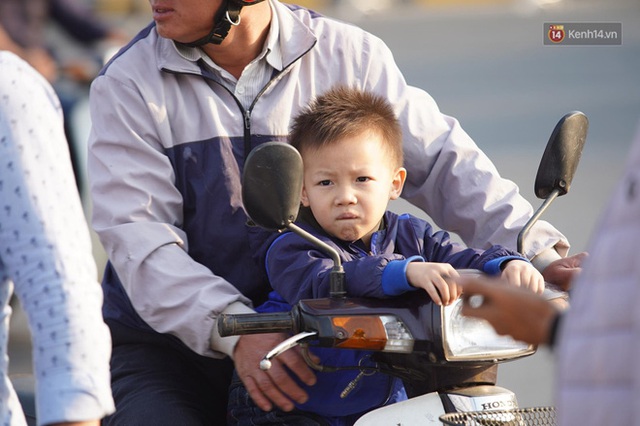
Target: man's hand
(563,271)
(274,386)
(512,311)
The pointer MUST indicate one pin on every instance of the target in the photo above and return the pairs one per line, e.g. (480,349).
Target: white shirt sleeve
(45,251)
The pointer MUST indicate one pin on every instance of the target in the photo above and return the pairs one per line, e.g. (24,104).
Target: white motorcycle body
(425,410)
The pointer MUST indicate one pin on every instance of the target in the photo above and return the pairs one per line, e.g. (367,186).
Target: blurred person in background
(598,337)
(45,255)
(24,31)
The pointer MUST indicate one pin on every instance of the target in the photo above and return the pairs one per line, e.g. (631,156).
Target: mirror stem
(336,286)
(525,229)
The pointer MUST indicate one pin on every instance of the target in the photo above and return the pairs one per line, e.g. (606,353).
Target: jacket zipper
(246,114)
(247,131)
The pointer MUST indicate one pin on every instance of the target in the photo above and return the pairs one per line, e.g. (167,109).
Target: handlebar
(239,324)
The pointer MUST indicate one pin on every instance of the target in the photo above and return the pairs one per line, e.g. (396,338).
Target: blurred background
(484,63)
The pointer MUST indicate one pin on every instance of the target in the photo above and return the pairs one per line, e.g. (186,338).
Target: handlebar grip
(238,324)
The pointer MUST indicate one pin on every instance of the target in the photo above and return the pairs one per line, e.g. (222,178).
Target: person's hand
(274,386)
(439,280)
(81,70)
(563,271)
(83,423)
(43,62)
(512,311)
(523,274)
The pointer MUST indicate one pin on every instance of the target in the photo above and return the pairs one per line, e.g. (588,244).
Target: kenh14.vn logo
(556,33)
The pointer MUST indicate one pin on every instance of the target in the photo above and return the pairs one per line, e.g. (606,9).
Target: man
(174,116)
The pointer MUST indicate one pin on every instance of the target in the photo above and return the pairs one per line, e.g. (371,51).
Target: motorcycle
(448,362)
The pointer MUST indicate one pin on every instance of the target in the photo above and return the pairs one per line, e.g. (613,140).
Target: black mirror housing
(562,155)
(272,185)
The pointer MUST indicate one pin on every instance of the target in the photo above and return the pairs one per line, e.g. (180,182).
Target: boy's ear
(304,199)
(398,183)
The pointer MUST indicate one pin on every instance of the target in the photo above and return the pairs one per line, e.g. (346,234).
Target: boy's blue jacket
(299,270)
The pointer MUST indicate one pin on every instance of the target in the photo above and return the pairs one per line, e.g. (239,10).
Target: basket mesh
(533,416)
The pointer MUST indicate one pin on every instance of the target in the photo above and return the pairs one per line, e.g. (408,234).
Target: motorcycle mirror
(271,189)
(558,165)
(272,184)
(562,154)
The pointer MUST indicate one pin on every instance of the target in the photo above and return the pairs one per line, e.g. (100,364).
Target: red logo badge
(556,33)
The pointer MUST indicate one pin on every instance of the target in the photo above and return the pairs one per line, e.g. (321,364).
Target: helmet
(227,15)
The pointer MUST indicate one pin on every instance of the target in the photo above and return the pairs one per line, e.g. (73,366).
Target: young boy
(351,146)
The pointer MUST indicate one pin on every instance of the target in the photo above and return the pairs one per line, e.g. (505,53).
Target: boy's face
(348,185)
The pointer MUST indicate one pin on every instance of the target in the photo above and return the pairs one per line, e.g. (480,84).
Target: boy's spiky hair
(345,112)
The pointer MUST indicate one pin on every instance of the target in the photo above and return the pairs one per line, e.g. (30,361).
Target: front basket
(533,416)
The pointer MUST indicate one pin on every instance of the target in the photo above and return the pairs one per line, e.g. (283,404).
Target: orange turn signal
(360,332)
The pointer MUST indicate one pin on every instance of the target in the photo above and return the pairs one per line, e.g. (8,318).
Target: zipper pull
(247,120)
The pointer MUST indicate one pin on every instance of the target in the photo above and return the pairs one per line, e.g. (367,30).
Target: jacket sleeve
(137,211)
(438,247)
(449,177)
(298,270)
(46,251)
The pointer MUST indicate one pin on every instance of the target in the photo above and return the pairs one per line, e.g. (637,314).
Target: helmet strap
(228,15)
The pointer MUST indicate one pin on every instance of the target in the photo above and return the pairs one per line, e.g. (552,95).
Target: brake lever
(265,363)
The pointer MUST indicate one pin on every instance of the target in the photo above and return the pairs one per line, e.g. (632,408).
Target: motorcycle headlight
(473,339)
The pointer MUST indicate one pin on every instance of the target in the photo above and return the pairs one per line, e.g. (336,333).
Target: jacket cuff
(494,266)
(394,276)
(226,345)
(73,397)
(544,258)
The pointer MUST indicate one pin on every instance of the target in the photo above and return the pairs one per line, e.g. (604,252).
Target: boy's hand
(438,279)
(523,274)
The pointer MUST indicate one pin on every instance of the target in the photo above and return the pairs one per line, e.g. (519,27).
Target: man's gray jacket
(167,150)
